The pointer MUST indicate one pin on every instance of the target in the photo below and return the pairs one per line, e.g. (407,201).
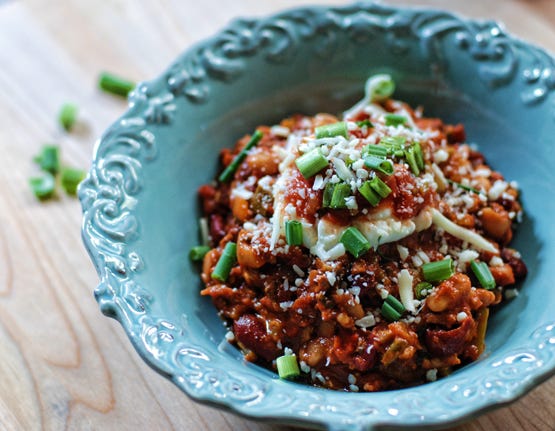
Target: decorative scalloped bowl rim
(108,235)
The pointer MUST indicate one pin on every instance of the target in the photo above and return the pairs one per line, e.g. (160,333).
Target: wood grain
(65,366)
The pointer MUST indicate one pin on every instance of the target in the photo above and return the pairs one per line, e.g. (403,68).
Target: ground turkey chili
(362,253)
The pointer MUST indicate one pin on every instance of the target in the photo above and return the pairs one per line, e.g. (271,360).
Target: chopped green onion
(287,367)
(44,186)
(418,155)
(229,171)
(395,119)
(396,304)
(397,142)
(423,289)
(340,192)
(411,160)
(379,87)
(226,262)
(71,178)
(464,187)
(49,159)
(331,130)
(439,270)
(483,274)
(115,84)
(311,163)
(389,313)
(68,116)
(198,252)
(379,164)
(328,193)
(294,232)
(354,241)
(380,187)
(369,194)
(364,123)
(375,150)
(204,231)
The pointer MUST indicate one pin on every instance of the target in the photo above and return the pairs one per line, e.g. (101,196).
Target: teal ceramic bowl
(140,206)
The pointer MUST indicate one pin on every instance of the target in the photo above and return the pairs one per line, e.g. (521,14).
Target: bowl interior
(510,137)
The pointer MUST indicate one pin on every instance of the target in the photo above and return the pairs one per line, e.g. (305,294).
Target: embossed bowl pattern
(139,199)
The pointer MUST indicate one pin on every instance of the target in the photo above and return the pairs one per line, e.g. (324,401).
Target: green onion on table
(114,84)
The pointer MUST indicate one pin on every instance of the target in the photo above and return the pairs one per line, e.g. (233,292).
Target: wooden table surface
(64,365)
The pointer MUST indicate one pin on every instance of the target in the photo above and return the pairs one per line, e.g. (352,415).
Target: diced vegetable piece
(341,191)
(198,252)
(294,232)
(311,163)
(44,186)
(226,262)
(380,187)
(396,142)
(68,116)
(204,231)
(396,304)
(229,171)
(71,178)
(364,123)
(376,150)
(439,270)
(389,313)
(395,119)
(411,160)
(115,84)
(49,159)
(423,289)
(287,367)
(379,164)
(419,156)
(328,193)
(483,274)
(331,130)
(354,241)
(379,87)
(369,194)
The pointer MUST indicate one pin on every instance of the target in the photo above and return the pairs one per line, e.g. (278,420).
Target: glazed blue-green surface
(140,204)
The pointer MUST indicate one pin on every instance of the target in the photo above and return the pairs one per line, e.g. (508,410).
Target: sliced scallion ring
(384,166)
(483,274)
(198,252)
(294,232)
(389,313)
(354,241)
(395,119)
(380,187)
(44,186)
(341,191)
(229,171)
(287,367)
(332,130)
(439,270)
(379,87)
(226,262)
(311,163)
(369,194)
(115,84)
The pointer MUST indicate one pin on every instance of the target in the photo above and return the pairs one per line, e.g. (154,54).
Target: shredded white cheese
(403,252)
(366,322)
(405,289)
(462,233)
